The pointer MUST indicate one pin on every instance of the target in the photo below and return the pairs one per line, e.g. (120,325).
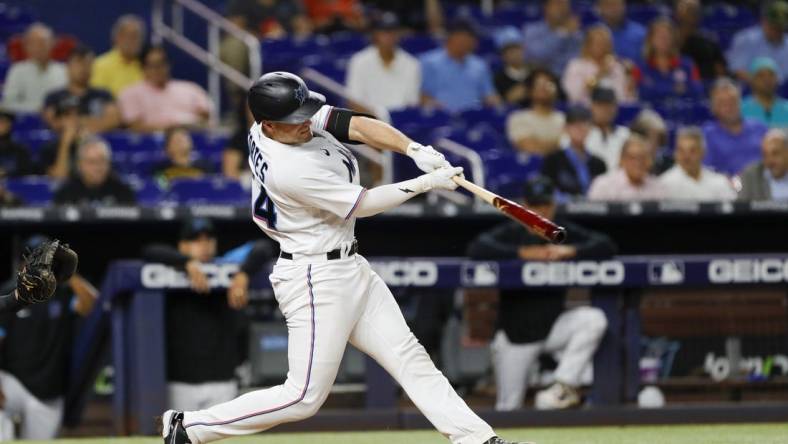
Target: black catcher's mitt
(44,267)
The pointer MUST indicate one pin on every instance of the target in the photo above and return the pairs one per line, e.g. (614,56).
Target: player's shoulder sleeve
(335,121)
(316,186)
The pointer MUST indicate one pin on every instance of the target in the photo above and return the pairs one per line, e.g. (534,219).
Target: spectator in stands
(662,73)
(510,78)
(234,157)
(537,130)
(121,66)
(202,324)
(627,35)
(95,109)
(597,66)
(689,179)
(420,16)
(29,81)
(632,181)
(767,179)
(94,183)
(732,140)
(553,41)
(14,158)
(335,15)
(180,162)
(158,102)
(383,74)
(767,39)
(34,380)
(269,19)
(573,167)
(650,125)
(695,43)
(57,158)
(453,77)
(540,323)
(764,104)
(606,138)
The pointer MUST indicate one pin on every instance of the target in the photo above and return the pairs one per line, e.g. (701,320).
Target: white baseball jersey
(304,196)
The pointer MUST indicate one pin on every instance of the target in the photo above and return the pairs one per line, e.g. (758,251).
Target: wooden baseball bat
(532,221)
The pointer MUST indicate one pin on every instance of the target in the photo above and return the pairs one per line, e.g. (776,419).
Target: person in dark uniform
(536,321)
(202,325)
(34,355)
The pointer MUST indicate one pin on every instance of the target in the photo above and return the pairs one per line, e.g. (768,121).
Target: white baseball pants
(574,336)
(182,396)
(327,304)
(40,418)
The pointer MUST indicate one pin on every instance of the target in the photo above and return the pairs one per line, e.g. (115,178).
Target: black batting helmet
(283,97)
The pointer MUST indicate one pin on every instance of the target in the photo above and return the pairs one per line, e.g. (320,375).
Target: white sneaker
(557,396)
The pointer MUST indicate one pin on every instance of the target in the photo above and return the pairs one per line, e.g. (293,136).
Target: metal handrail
(210,56)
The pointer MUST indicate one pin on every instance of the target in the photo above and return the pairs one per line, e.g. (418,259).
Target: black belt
(331,255)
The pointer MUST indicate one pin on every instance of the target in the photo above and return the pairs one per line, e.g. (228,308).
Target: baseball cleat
(497,440)
(172,428)
(557,396)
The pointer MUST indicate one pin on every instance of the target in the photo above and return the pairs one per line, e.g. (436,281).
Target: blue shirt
(751,43)
(681,81)
(778,187)
(455,85)
(628,39)
(728,153)
(545,46)
(776,117)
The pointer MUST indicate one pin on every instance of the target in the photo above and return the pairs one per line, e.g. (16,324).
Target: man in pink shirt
(632,181)
(158,102)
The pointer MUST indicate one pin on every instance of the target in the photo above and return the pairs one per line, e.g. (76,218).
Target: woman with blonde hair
(597,65)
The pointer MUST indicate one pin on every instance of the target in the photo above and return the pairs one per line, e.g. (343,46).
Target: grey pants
(40,419)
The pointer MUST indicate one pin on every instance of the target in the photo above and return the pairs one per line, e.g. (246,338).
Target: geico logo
(723,271)
(163,276)
(573,273)
(417,273)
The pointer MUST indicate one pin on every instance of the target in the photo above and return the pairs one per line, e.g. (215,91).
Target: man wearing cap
(537,321)
(94,108)
(510,78)
(767,39)
(764,104)
(453,78)
(606,138)
(572,168)
(382,74)
(202,323)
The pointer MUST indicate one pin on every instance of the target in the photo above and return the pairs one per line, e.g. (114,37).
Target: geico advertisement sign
(404,273)
(164,276)
(725,271)
(573,273)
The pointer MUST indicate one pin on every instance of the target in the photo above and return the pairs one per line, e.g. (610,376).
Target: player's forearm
(386,197)
(378,134)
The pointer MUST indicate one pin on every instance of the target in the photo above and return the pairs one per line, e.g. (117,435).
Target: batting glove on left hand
(426,157)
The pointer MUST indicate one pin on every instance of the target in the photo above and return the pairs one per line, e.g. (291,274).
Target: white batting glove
(426,157)
(441,178)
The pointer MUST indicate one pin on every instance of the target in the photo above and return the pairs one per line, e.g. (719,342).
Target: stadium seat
(428,118)
(29,122)
(133,143)
(207,143)
(34,139)
(347,43)
(147,190)
(418,43)
(627,113)
(33,190)
(212,190)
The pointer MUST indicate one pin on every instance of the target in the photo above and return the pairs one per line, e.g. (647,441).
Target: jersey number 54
(264,208)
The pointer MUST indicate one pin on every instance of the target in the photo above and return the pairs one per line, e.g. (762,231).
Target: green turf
(706,434)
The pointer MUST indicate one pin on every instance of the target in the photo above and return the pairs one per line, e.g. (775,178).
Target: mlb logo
(480,274)
(666,272)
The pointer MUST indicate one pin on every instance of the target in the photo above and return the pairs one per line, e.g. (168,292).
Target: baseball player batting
(306,196)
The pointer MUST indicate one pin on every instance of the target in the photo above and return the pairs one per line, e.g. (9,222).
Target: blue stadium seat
(29,122)
(213,190)
(428,118)
(285,54)
(121,141)
(147,190)
(347,43)
(34,139)
(510,163)
(207,143)
(33,190)
(328,65)
(418,43)
(493,117)
(627,113)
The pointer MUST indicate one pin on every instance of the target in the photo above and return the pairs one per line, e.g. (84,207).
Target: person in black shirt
(75,111)
(35,352)
(536,321)
(94,183)
(180,162)
(14,158)
(695,43)
(510,78)
(573,168)
(202,325)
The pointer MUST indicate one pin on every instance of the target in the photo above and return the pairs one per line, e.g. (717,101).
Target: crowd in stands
(699,105)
